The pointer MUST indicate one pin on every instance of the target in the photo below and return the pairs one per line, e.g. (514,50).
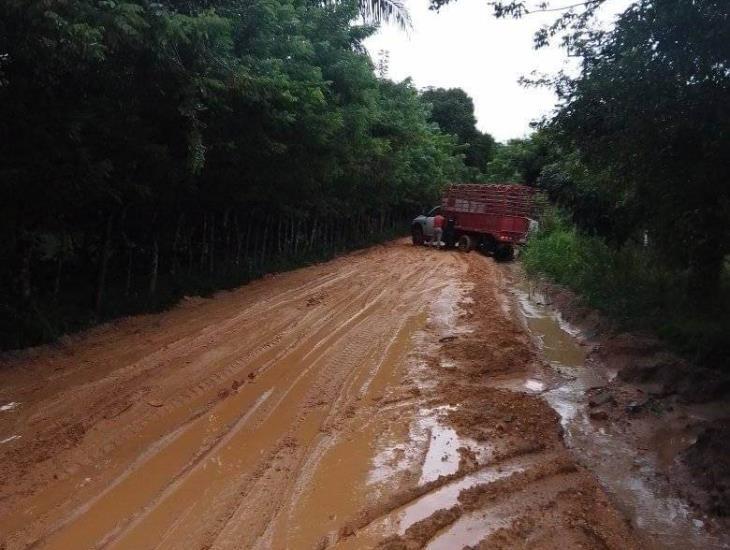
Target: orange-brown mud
(390,398)
(652,427)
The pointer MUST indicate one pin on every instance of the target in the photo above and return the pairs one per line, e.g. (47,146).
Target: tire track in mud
(131,375)
(331,382)
(127,440)
(301,411)
(534,494)
(196,399)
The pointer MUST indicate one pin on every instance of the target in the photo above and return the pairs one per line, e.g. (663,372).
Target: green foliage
(638,155)
(166,148)
(521,160)
(453,111)
(629,285)
(651,110)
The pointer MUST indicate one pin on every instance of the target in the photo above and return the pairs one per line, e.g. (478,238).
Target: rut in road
(299,411)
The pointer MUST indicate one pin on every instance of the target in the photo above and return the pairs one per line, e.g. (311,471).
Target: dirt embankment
(361,403)
(671,409)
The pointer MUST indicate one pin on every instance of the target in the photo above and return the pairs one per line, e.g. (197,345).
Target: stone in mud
(709,461)
(601,398)
(346,530)
(636,406)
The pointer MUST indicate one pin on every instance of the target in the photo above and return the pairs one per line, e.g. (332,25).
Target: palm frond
(385,11)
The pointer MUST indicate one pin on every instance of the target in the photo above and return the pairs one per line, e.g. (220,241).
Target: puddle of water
(534,386)
(444,312)
(470,529)
(9,406)
(442,458)
(9,439)
(556,337)
(622,469)
(448,496)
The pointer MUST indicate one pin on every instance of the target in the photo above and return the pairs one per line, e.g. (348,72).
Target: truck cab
(422,226)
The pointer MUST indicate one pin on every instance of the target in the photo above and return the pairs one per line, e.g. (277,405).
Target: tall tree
(175,147)
(453,110)
(652,108)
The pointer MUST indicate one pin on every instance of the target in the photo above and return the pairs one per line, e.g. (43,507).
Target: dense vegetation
(153,149)
(453,111)
(638,158)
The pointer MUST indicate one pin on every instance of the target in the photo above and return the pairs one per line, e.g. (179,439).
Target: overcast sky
(464,46)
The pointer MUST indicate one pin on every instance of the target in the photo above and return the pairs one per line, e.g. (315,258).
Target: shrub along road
(349,404)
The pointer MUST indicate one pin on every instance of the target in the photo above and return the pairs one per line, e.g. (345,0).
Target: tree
(388,11)
(453,110)
(651,108)
(522,160)
(177,147)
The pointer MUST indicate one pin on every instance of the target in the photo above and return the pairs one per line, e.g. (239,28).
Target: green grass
(630,285)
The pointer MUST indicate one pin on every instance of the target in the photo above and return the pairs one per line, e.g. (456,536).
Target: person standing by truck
(438,230)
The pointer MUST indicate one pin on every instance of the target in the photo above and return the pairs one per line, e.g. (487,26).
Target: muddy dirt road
(366,402)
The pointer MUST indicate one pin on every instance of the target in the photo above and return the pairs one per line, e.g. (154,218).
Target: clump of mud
(498,414)
(709,462)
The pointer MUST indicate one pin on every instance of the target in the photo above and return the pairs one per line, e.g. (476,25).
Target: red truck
(493,218)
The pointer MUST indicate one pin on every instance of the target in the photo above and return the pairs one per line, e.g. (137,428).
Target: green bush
(630,286)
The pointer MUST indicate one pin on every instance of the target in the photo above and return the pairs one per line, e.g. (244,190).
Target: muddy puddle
(628,474)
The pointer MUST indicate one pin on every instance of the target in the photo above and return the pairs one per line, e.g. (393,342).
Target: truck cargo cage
(498,199)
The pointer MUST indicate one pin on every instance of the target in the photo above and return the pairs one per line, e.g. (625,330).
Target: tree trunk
(227,240)
(154,267)
(239,242)
(297,233)
(263,244)
(254,254)
(313,235)
(246,247)
(128,282)
(57,280)
(25,285)
(203,241)
(211,251)
(103,265)
(190,252)
(175,241)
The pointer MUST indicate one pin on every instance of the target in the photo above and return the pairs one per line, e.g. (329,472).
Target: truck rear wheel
(417,235)
(466,243)
(504,253)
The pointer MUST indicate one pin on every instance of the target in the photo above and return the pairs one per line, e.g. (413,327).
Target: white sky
(464,46)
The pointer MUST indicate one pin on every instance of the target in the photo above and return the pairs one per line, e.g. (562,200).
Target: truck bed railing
(498,199)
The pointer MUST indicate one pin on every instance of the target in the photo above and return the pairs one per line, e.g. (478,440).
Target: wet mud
(634,457)
(398,397)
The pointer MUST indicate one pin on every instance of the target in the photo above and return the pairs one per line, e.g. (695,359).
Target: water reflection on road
(625,471)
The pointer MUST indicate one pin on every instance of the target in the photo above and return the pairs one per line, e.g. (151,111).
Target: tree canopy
(638,154)
(453,110)
(154,149)
(651,110)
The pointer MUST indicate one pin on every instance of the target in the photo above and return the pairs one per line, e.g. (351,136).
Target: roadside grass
(630,286)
